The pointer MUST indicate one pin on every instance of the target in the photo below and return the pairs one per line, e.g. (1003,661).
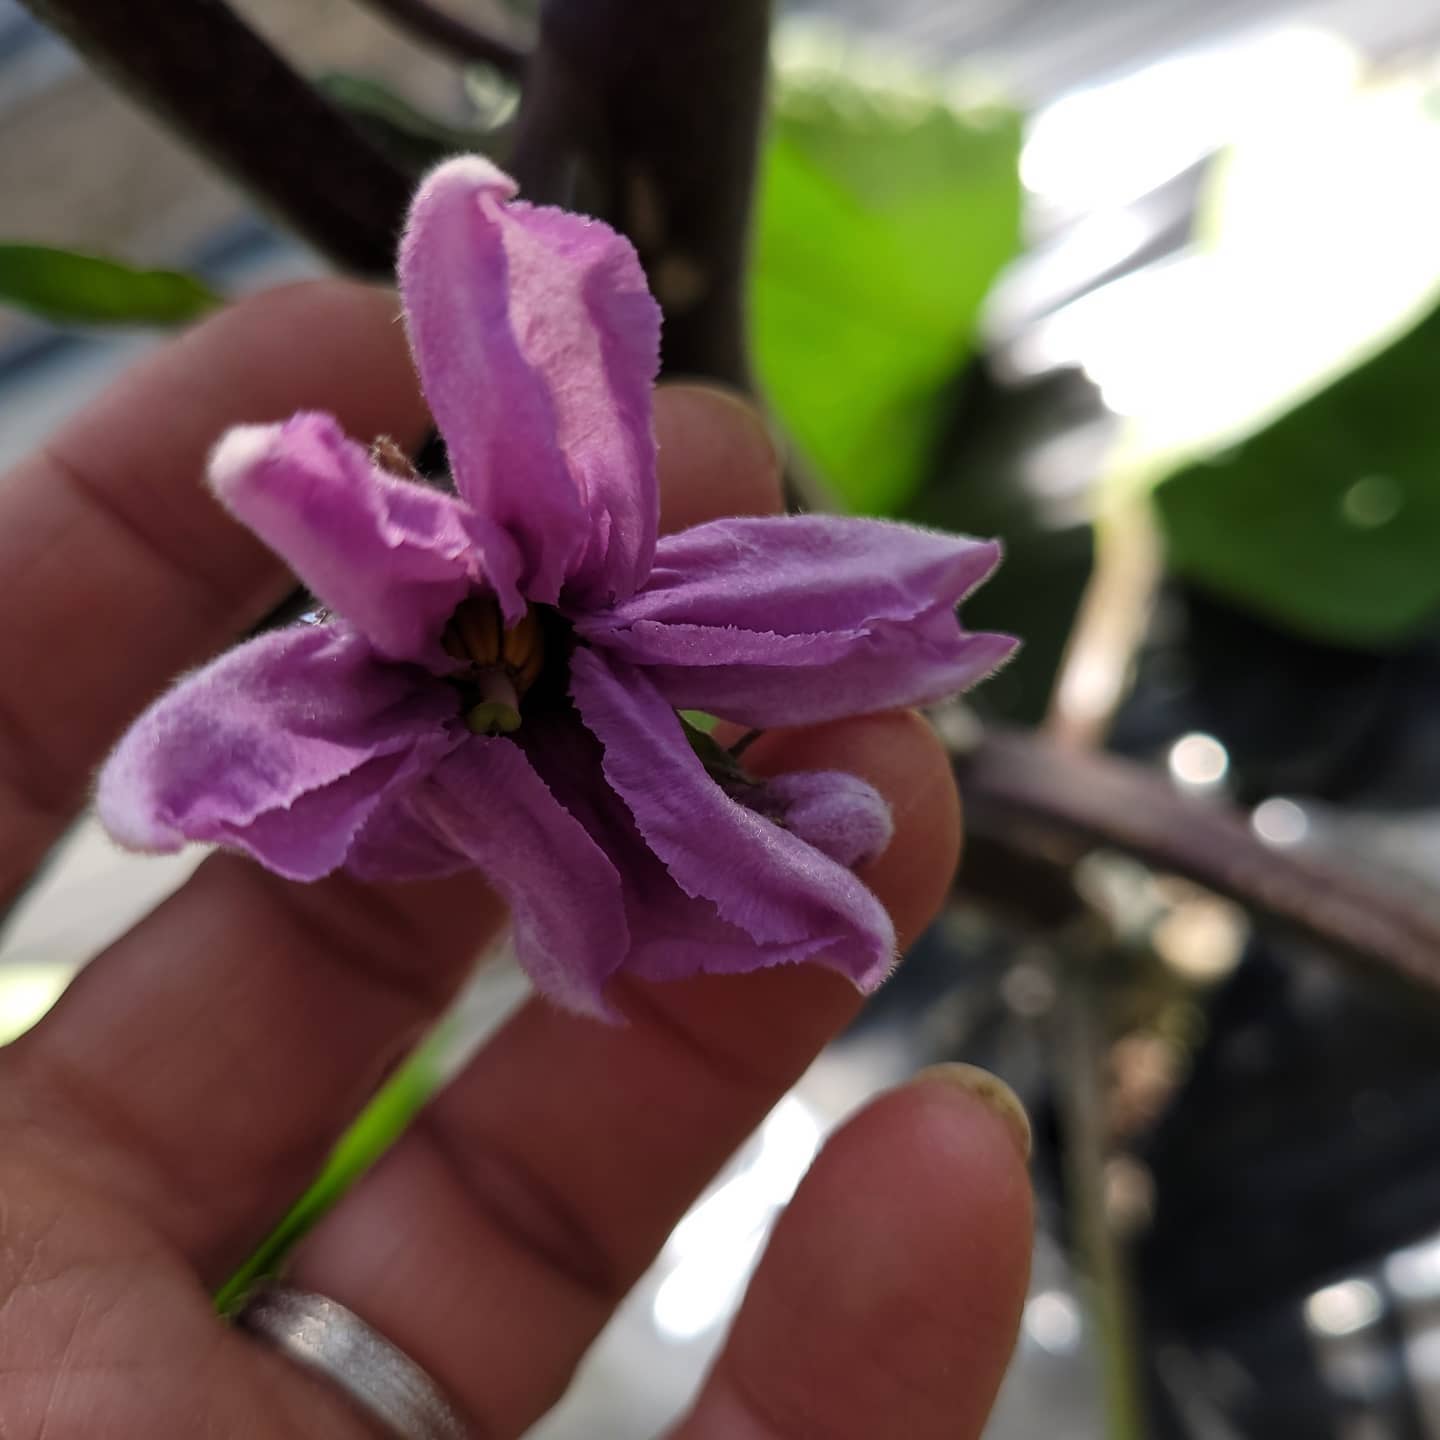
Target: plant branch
(1079,1045)
(1036,806)
(1115,611)
(453,36)
(223,89)
(647,113)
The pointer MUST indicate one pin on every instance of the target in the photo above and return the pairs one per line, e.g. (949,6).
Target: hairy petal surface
(485,806)
(672,934)
(841,815)
(802,619)
(761,879)
(391,556)
(283,748)
(537,342)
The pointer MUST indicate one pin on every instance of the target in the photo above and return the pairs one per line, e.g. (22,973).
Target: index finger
(122,570)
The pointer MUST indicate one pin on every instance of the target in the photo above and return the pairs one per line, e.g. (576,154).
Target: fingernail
(990,1090)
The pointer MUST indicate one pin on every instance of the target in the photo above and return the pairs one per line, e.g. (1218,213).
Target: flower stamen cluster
(500,663)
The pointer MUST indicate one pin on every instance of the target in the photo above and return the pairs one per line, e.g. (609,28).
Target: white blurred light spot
(1422,1359)
(1202,939)
(701,1293)
(1086,151)
(1198,760)
(1344,1308)
(714,1247)
(1414,1273)
(1280,822)
(784,1149)
(26,993)
(789,1140)
(1372,501)
(1053,1322)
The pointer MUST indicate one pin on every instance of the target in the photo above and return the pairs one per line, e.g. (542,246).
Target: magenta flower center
(498,664)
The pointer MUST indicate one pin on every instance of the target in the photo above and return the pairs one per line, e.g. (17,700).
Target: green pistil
(492,717)
(498,710)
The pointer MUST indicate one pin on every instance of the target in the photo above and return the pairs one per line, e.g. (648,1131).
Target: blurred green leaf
(74,289)
(413,140)
(1284,407)
(1329,518)
(885,214)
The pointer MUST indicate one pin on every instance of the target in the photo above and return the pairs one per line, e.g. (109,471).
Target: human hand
(157,1124)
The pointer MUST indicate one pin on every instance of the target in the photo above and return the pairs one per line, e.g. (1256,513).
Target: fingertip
(990,1092)
(889,1299)
(901,756)
(957,1179)
(717,456)
(954,1159)
(333,345)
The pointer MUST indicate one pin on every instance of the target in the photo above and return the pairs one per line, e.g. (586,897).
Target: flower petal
(537,342)
(283,747)
(672,934)
(784,894)
(841,815)
(808,618)
(389,555)
(485,806)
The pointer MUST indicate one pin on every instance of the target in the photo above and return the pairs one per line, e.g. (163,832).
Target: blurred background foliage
(1164,315)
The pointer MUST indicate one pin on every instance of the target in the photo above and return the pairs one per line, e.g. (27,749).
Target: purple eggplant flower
(496,681)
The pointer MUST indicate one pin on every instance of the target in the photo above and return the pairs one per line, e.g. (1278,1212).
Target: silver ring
(380,1379)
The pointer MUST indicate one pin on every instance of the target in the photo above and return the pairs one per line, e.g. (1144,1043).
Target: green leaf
(721,764)
(1328,520)
(413,140)
(1288,425)
(73,289)
(885,214)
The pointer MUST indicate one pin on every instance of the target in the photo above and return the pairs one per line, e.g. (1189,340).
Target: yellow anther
(476,634)
(522,641)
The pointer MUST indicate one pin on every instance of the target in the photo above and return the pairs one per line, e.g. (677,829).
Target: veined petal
(537,342)
(484,806)
(389,555)
(672,934)
(807,618)
(283,747)
(791,900)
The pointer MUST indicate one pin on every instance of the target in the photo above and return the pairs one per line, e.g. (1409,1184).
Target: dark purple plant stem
(222,88)
(648,113)
(453,36)
(1033,806)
